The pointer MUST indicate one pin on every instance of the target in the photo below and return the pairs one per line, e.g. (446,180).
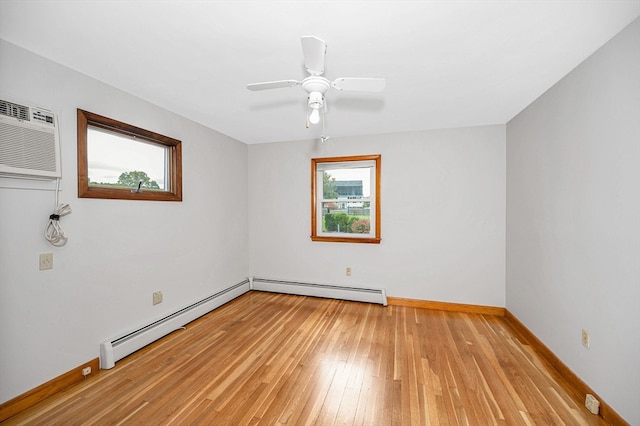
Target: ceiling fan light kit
(313,50)
(315,102)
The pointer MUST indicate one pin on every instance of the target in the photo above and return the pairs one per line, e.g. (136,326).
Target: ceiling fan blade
(272,85)
(360,84)
(313,50)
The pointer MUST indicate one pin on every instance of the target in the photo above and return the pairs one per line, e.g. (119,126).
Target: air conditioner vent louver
(36,152)
(29,142)
(20,112)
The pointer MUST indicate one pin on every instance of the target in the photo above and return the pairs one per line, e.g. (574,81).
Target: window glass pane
(350,213)
(347,183)
(115,160)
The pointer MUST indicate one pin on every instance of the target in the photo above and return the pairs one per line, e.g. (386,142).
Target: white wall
(443,215)
(119,252)
(573,220)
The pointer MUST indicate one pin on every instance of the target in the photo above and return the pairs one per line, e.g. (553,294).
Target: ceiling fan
(313,50)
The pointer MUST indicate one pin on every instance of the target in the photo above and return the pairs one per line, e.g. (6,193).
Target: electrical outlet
(348,272)
(157,297)
(592,404)
(86,371)
(586,338)
(46,261)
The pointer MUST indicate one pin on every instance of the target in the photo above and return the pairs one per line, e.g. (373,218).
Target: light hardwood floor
(279,359)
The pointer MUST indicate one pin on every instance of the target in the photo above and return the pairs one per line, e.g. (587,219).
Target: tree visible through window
(137,178)
(345,195)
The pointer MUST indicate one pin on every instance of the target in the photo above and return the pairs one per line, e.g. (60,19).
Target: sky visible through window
(110,155)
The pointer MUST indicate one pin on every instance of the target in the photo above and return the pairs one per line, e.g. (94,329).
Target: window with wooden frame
(345,199)
(120,161)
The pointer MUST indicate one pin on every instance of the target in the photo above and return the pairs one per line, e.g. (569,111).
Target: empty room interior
(320,212)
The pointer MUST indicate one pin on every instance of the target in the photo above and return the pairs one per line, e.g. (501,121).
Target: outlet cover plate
(586,338)
(46,261)
(592,404)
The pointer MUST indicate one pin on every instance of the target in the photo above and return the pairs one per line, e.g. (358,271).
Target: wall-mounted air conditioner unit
(29,142)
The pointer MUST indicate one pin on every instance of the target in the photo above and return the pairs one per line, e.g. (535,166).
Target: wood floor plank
(267,359)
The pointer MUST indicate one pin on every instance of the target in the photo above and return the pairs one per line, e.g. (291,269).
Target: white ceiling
(447,63)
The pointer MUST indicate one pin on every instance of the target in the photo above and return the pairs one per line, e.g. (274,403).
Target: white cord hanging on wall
(53,231)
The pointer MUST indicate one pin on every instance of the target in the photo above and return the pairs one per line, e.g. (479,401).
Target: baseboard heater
(116,349)
(358,294)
